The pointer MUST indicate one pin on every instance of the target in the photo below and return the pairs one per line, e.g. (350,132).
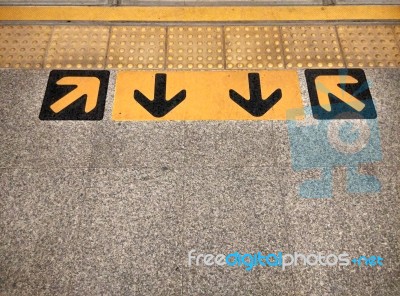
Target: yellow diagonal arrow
(85,86)
(329,84)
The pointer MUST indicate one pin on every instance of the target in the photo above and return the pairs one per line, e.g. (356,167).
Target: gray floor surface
(112,208)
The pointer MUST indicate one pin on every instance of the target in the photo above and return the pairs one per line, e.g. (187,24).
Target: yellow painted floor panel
(198,47)
(207,96)
(251,13)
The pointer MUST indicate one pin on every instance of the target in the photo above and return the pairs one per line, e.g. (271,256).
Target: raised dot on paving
(76,47)
(195,48)
(23,46)
(369,46)
(250,47)
(311,47)
(136,47)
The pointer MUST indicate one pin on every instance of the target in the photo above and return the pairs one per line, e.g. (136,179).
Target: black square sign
(339,94)
(75,95)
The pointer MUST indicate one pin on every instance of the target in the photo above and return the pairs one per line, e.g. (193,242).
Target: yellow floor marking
(200,14)
(207,95)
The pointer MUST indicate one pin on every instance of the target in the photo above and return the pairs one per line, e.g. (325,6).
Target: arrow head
(159,107)
(256,106)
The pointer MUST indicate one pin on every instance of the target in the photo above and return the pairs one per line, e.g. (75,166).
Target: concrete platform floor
(113,208)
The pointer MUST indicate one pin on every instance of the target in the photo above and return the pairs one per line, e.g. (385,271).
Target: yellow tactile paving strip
(77,47)
(136,48)
(195,48)
(199,47)
(23,46)
(251,47)
(369,46)
(311,46)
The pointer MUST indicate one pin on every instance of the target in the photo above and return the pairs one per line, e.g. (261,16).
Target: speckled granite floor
(112,208)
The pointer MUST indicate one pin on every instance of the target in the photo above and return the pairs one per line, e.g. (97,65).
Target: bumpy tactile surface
(200,47)
(23,46)
(78,47)
(136,48)
(311,47)
(369,46)
(253,47)
(195,48)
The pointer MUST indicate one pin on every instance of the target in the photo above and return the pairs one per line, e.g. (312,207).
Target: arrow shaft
(159,106)
(323,97)
(255,86)
(348,99)
(256,106)
(66,100)
(160,88)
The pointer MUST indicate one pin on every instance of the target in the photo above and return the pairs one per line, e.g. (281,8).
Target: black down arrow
(159,106)
(256,106)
